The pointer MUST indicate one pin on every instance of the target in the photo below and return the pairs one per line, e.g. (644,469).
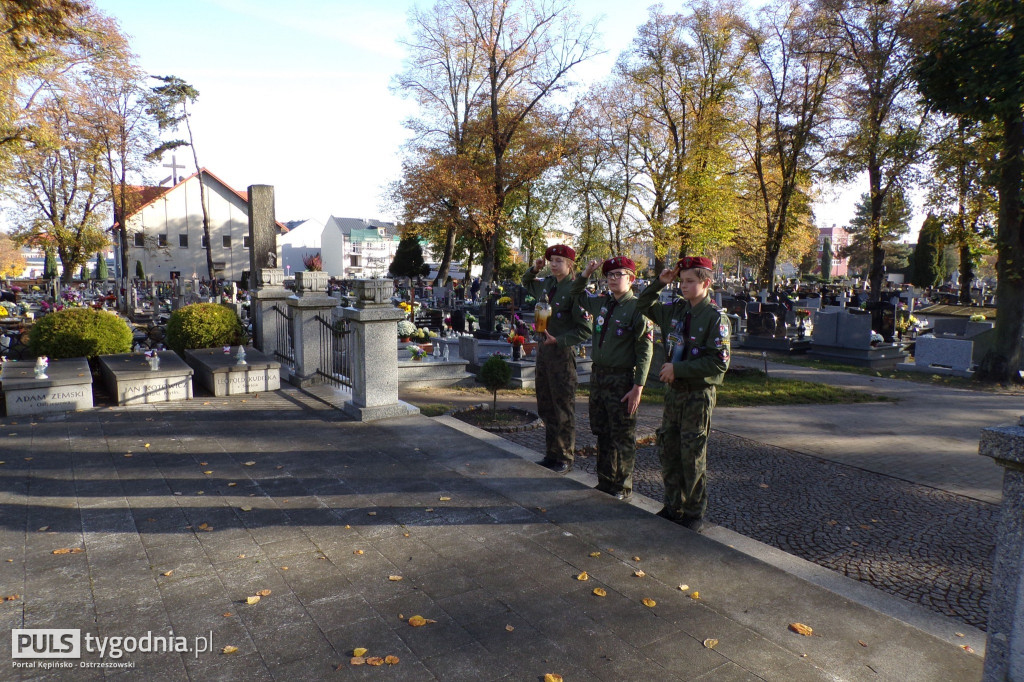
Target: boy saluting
(696,338)
(622,350)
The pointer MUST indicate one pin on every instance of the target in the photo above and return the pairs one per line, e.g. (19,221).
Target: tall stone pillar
(373,328)
(309,301)
(1004,648)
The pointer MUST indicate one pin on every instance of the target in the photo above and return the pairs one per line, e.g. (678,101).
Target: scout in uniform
(568,326)
(623,346)
(696,337)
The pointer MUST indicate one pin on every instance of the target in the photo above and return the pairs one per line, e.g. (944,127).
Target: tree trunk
(446,257)
(1002,362)
(966,273)
(489,256)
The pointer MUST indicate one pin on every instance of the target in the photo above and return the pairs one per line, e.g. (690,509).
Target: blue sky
(296,95)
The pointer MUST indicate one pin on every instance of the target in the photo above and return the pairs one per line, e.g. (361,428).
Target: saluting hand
(591,268)
(538,264)
(668,274)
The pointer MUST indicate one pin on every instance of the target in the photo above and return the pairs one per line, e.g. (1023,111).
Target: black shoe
(546,462)
(624,495)
(561,467)
(697,525)
(667,513)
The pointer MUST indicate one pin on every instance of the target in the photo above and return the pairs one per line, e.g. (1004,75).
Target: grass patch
(917,377)
(433,409)
(750,388)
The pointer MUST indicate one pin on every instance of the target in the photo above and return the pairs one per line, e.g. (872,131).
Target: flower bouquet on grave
(517,342)
(417,352)
(406,329)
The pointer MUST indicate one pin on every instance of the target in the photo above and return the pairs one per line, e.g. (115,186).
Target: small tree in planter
(203,325)
(495,375)
(78,332)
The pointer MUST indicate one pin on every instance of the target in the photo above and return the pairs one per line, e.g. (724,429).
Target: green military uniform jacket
(704,357)
(569,322)
(623,338)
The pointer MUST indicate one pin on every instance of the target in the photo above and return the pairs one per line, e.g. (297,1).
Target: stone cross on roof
(173,165)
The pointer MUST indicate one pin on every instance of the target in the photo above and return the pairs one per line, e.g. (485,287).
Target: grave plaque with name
(68,387)
(131,380)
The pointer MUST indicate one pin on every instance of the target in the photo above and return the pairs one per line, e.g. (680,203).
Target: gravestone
(220,374)
(883,319)
(131,381)
(68,387)
(845,336)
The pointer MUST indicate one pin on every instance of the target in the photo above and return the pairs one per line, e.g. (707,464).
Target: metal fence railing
(335,365)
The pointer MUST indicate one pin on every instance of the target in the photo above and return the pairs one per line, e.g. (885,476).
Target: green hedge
(77,332)
(203,325)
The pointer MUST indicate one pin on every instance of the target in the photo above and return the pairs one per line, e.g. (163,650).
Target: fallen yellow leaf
(357,660)
(649,603)
(510,628)
(146,445)
(232,485)
(600,592)
(391,660)
(595,554)
(252,600)
(263,593)
(284,568)
(710,643)
(207,472)
(583,576)
(394,578)
(444,499)
(249,464)
(227,614)
(246,509)
(229,649)
(44,529)
(375,660)
(419,621)
(361,651)
(967,648)
(358,551)
(167,574)
(695,595)
(639,573)
(801,629)
(636,558)
(552,677)
(684,588)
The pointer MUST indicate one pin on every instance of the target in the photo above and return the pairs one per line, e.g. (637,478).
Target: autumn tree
(867,237)
(12,262)
(793,74)
(962,194)
(684,71)
(481,71)
(886,123)
(972,68)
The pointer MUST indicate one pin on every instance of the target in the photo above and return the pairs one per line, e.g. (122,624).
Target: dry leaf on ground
(419,621)
(359,651)
(595,554)
(509,628)
(552,677)
(600,592)
(636,558)
(229,649)
(684,588)
(357,660)
(263,593)
(583,576)
(639,573)
(695,595)
(801,629)
(394,578)
(167,574)
(710,643)
(391,660)
(252,600)
(649,603)
(375,660)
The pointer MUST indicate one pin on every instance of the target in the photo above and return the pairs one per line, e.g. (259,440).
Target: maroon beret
(690,262)
(619,262)
(560,250)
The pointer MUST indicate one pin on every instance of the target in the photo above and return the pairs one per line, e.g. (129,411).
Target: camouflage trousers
(683,446)
(556,401)
(615,429)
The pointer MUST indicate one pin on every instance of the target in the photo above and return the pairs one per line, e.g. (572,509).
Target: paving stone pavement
(175,514)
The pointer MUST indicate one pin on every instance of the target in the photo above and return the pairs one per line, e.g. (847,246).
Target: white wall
(302,240)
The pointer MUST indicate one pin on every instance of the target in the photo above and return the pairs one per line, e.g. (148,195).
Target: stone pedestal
(310,300)
(68,387)
(373,325)
(130,380)
(268,325)
(220,373)
(1004,649)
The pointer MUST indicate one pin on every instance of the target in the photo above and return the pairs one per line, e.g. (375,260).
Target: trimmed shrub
(203,325)
(77,332)
(495,375)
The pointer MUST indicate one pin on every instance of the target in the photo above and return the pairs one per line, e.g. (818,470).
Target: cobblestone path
(924,545)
